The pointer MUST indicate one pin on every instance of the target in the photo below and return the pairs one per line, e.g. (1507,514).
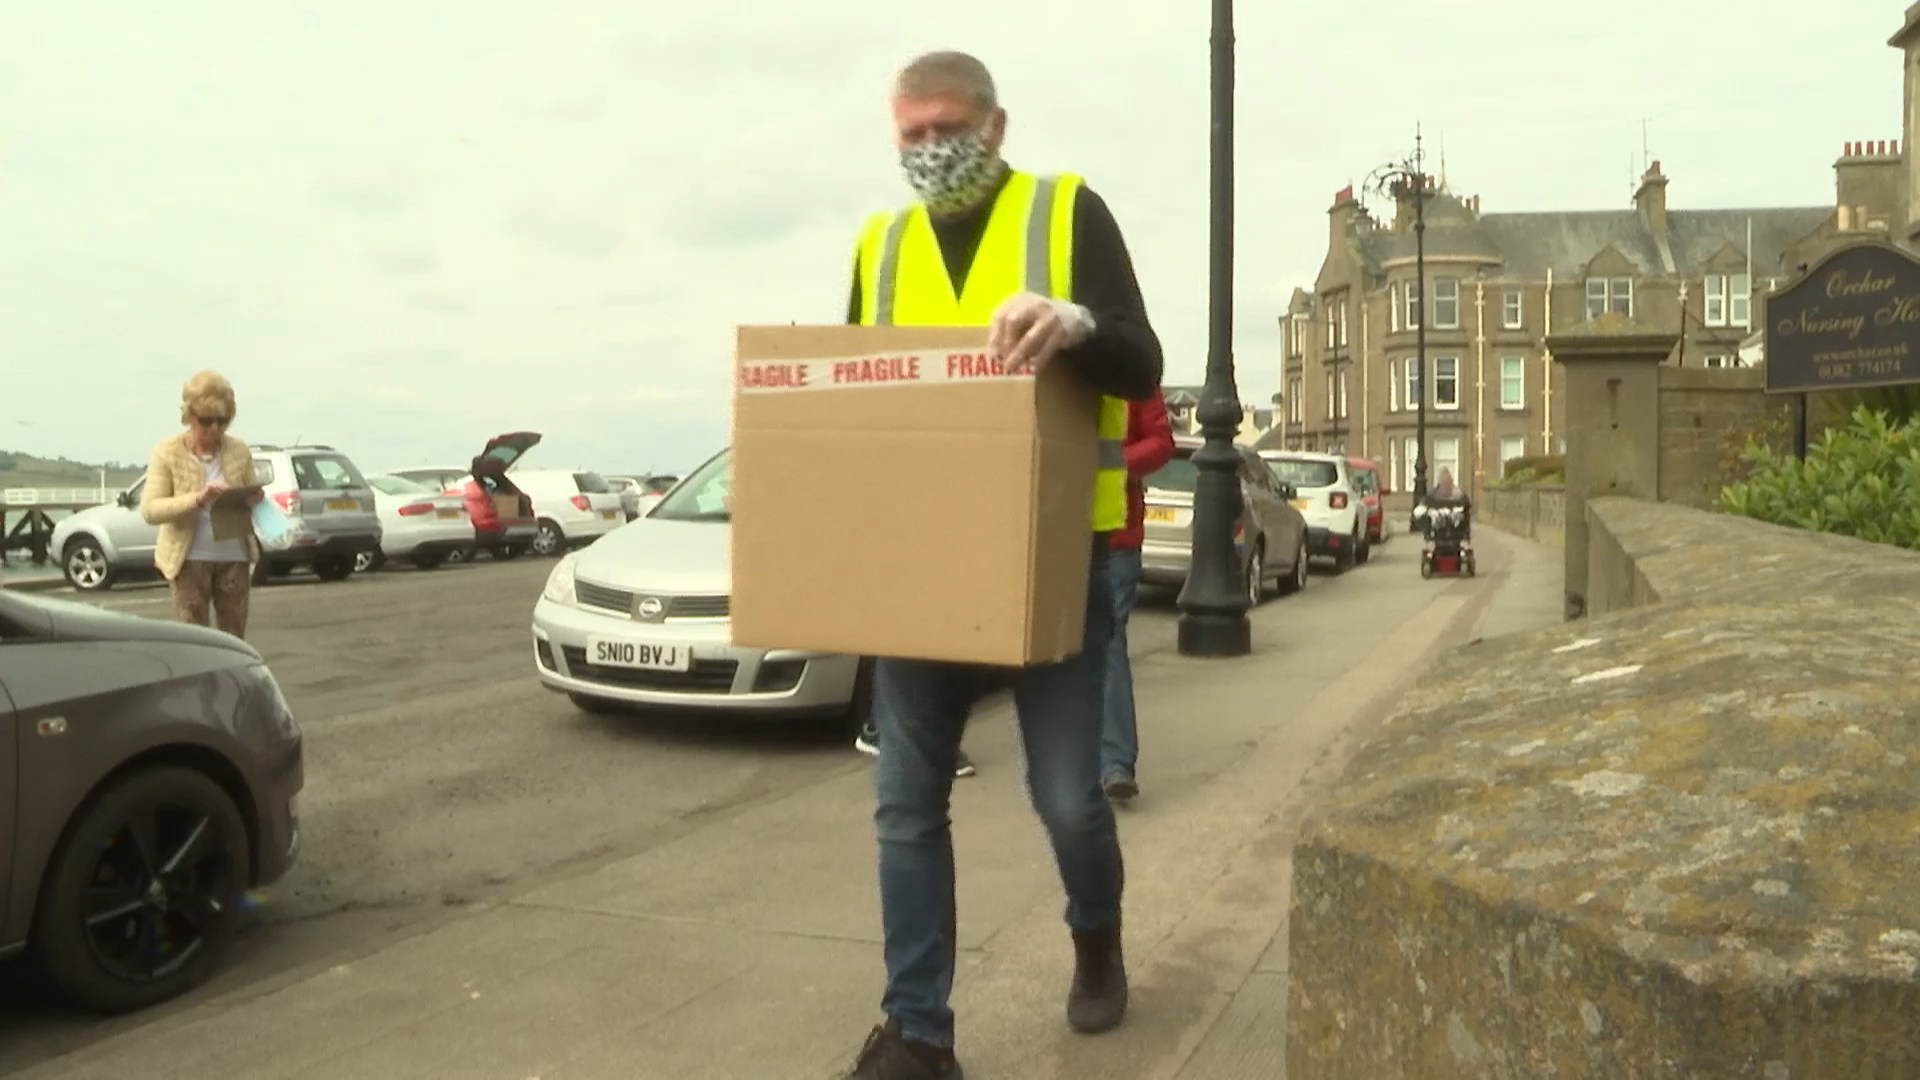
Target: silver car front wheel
(86,565)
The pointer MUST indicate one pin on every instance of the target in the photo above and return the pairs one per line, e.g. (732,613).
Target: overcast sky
(401,226)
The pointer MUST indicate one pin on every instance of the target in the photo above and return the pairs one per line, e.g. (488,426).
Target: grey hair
(936,74)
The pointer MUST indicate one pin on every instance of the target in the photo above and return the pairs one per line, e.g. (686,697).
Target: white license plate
(613,652)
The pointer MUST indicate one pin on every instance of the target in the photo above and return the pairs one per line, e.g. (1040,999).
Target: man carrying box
(983,246)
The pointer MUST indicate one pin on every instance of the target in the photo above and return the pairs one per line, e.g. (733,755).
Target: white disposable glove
(1028,329)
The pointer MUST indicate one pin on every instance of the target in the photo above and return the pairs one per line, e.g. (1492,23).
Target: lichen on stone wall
(1681,840)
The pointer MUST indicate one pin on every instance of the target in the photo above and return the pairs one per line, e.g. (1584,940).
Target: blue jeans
(921,708)
(1120,735)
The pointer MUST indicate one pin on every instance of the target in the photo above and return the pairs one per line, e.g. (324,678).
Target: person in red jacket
(1149,446)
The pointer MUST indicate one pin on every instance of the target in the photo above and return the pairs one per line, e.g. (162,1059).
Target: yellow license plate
(1298,504)
(608,514)
(343,504)
(1161,513)
(447,514)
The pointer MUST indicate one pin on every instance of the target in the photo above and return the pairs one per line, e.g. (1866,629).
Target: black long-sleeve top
(1122,358)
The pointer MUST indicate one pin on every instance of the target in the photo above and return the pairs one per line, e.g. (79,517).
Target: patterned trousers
(223,587)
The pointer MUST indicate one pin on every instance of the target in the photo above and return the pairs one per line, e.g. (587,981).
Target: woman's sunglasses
(214,421)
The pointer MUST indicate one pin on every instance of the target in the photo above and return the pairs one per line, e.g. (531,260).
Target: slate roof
(1526,245)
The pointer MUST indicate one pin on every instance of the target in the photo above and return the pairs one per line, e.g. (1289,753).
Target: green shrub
(1861,480)
(1534,469)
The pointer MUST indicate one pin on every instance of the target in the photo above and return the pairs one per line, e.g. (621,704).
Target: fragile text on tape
(890,369)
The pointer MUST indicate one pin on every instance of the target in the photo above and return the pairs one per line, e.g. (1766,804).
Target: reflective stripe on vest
(1026,245)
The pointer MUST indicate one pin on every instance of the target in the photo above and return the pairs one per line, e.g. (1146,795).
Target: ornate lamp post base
(1214,601)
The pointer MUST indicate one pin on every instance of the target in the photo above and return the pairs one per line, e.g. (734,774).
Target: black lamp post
(1215,600)
(1398,181)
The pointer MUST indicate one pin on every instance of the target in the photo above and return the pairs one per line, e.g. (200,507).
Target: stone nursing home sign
(1851,322)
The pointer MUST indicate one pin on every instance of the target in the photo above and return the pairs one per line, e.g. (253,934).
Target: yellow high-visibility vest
(1027,247)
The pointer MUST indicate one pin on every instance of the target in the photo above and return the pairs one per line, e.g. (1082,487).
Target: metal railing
(1535,511)
(57,496)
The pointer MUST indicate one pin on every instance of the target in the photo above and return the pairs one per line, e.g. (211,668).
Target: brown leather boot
(1097,1001)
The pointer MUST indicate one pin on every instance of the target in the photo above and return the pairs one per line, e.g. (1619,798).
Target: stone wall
(1702,412)
(1535,511)
(1679,838)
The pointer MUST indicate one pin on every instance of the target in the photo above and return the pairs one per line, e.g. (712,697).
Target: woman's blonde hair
(208,393)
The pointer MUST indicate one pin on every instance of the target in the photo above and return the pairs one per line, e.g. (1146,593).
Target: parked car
(1325,493)
(504,536)
(418,524)
(571,508)
(322,492)
(101,546)
(438,477)
(153,778)
(1270,536)
(1366,481)
(629,490)
(641,618)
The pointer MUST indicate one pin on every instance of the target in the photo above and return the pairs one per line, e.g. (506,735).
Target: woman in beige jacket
(206,548)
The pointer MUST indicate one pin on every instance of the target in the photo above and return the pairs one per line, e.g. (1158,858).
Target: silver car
(1270,536)
(641,618)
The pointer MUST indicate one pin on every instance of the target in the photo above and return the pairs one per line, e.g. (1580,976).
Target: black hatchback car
(150,774)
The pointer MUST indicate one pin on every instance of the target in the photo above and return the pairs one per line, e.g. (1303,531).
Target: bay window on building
(1446,381)
(1446,303)
(1446,455)
(1413,383)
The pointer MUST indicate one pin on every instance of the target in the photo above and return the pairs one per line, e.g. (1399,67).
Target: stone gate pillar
(1612,390)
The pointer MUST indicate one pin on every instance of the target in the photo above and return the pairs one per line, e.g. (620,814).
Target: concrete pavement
(746,946)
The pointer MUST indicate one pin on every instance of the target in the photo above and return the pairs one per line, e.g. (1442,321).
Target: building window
(1446,380)
(1513,382)
(1343,394)
(1333,328)
(1414,460)
(1343,321)
(1729,300)
(1296,409)
(1721,360)
(1393,386)
(1411,312)
(1393,306)
(1511,446)
(1446,455)
(1446,303)
(1609,294)
(1295,339)
(1413,383)
(1329,395)
(1393,465)
(1510,313)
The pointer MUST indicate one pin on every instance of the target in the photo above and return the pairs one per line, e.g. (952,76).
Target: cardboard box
(507,507)
(896,493)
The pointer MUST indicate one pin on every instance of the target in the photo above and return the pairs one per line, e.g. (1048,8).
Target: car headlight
(274,701)
(560,583)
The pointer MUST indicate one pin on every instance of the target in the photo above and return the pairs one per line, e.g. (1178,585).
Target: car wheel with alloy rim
(548,540)
(144,894)
(85,565)
(369,560)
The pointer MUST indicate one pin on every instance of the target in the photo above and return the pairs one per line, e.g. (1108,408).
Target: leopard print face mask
(952,174)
